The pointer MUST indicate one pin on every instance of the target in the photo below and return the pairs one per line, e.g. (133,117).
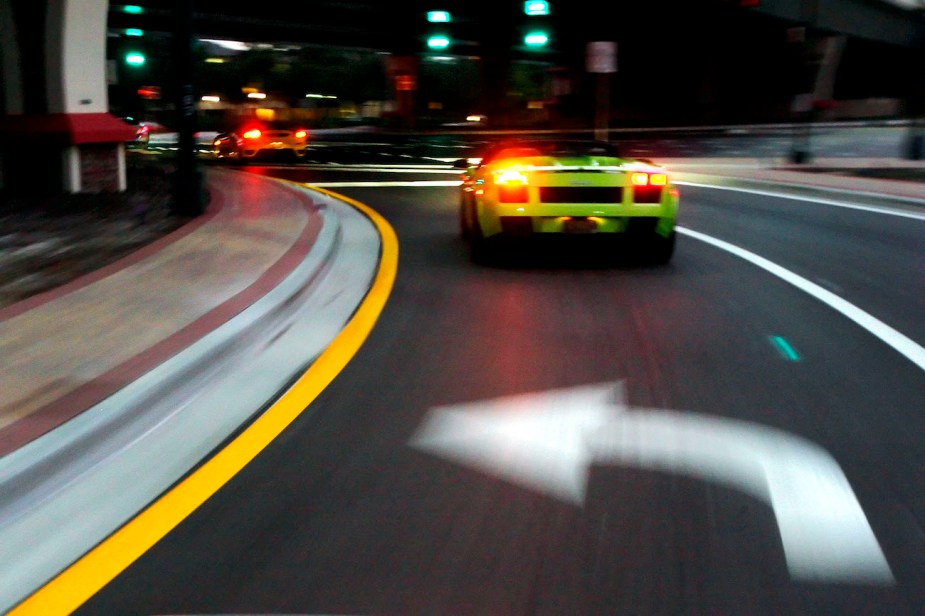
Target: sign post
(601,59)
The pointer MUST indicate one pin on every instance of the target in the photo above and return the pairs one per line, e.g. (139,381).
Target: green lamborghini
(529,188)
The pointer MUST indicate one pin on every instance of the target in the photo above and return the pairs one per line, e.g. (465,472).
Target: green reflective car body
(535,187)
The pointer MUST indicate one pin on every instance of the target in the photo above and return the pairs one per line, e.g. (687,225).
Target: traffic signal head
(135,58)
(536,38)
(438,41)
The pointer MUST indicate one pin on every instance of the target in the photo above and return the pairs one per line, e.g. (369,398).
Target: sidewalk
(67,349)
(893,178)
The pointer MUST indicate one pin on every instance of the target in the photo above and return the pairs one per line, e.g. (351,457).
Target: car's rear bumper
(526,219)
(273,152)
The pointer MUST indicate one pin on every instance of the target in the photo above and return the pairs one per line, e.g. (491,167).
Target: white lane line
(901,343)
(853,206)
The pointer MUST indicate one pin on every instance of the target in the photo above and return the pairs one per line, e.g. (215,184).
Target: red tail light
(253,133)
(301,134)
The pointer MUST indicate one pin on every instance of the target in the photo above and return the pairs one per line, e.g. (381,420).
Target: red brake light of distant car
(301,134)
(144,129)
(253,133)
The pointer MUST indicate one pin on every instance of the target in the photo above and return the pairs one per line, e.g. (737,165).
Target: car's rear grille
(647,194)
(581,194)
(518,226)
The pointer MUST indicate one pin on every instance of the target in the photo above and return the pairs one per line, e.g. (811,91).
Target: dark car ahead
(255,139)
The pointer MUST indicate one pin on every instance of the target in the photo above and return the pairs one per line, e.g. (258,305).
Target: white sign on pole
(601,57)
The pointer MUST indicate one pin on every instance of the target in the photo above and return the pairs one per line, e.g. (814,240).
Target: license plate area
(579,225)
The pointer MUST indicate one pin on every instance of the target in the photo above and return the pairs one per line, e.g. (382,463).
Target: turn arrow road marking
(547,441)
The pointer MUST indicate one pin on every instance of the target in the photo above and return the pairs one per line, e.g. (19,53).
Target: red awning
(67,128)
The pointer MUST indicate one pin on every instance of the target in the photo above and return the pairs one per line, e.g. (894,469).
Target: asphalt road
(730,402)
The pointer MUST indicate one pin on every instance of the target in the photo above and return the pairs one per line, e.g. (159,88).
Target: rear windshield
(264,125)
(550,148)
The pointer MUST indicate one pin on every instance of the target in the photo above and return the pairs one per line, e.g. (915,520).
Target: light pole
(601,59)
(189,199)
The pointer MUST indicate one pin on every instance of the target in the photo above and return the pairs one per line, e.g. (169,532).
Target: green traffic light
(438,41)
(438,17)
(536,7)
(134,58)
(536,38)
(134,32)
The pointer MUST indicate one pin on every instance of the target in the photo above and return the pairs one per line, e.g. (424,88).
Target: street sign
(601,57)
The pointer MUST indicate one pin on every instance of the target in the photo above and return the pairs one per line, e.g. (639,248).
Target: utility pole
(188,198)
(601,59)
(915,143)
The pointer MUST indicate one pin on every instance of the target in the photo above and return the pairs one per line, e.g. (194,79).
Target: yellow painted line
(76,584)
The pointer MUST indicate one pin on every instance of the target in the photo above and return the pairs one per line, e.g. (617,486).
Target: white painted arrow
(547,441)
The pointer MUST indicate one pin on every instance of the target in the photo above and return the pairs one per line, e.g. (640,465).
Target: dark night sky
(677,54)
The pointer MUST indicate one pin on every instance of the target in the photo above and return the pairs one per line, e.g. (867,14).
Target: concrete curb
(71,488)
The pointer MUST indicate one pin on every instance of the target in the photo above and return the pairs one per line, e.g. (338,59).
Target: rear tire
(661,249)
(465,226)
(482,251)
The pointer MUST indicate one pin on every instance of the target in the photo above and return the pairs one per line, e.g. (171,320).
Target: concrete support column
(11,94)
(75,69)
(75,56)
(55,130)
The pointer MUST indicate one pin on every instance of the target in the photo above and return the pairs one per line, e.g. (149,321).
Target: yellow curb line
(75,585)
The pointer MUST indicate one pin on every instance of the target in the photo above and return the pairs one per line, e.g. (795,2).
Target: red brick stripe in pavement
(91,393)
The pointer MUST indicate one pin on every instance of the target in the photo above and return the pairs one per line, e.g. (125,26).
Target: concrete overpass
(898,22)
